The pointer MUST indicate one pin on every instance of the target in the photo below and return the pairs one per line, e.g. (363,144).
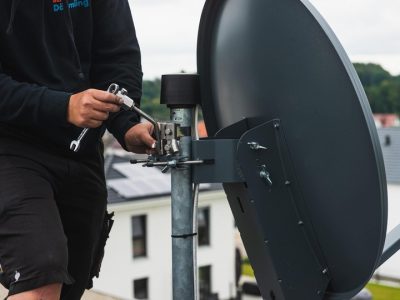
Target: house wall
(392,267)
(120,269)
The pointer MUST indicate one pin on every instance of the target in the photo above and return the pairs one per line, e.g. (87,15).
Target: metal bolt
(168,131)
(124,92)
(287,182)
(173,163)
(276,125)
(325,271)
(256,146)
(301,223)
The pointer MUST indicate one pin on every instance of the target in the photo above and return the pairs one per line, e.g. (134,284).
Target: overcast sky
(167,30)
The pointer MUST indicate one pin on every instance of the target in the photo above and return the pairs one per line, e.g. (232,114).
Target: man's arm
(116,58)
(31,105)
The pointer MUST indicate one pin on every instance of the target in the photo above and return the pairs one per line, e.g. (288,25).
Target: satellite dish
(313,210)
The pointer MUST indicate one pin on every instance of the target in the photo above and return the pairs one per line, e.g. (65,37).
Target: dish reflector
(279,60)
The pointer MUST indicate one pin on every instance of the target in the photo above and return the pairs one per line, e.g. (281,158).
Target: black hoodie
(50,49)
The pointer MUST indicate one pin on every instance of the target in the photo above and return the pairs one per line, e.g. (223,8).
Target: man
(57,58)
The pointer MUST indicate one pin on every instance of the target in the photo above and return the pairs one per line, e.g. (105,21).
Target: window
(139,238)
(204,226)
(205,282)
(141,288)
(388,140)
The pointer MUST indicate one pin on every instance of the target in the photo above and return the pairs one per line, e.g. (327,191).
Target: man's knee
(48,292)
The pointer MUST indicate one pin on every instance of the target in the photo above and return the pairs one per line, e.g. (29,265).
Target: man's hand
(138,139)
(91,108)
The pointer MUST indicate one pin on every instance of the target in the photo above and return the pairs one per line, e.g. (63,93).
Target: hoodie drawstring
(70,28)
(14,6)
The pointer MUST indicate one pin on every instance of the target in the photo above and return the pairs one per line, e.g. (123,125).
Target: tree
(150,102)
(382,89)
(371,74)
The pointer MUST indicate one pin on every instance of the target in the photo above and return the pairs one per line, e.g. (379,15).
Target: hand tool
(75,144)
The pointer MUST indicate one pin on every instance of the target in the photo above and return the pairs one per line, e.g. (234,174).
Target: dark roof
(111,173)
(390,143)
(127,182)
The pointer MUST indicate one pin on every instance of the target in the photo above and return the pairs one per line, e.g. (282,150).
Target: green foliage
(150,102)
(247,270)
(382,89)
(381,292)
(151,89)
(371,74)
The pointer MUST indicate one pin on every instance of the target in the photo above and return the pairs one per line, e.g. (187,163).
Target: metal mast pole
(182,213)
(181,93)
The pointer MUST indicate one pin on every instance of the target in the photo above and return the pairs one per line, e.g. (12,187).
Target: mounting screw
(325,271)
(168,131)
(276,125)
(287,182)
(301,223)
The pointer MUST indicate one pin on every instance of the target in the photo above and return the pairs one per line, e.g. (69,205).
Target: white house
(390,143)
(138,253)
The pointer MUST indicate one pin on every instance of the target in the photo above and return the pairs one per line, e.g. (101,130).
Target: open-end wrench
(75,144)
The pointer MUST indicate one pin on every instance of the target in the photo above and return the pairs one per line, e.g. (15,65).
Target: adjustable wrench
(75,144)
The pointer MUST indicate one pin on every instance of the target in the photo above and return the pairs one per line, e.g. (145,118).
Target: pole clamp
(183,236)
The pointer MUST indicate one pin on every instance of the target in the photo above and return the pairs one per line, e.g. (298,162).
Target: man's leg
(33,247)
(82,204)
(48,292)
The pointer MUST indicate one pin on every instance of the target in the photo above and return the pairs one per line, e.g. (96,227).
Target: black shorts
(52,210)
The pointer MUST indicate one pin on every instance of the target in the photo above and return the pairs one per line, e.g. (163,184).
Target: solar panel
(139,182)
